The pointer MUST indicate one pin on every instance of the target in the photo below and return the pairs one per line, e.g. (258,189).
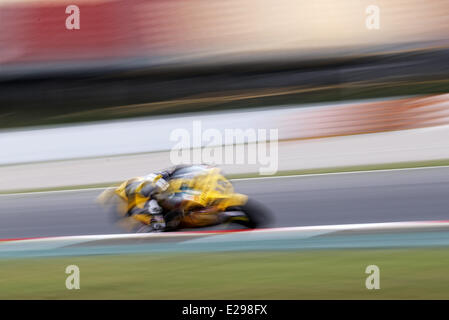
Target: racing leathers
(143,194)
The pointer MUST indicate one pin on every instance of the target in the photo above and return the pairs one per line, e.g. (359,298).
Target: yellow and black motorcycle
(203,195)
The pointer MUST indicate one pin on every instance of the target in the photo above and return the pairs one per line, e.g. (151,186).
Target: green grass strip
(319,274)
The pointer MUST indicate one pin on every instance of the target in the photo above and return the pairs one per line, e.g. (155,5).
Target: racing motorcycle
(200,192)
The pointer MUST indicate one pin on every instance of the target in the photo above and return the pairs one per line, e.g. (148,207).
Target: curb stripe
(377,226)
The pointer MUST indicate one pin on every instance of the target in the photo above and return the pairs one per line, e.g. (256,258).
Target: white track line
(339,173)
(52,191)
(243,179)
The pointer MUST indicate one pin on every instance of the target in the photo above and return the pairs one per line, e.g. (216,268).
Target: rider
(142,195)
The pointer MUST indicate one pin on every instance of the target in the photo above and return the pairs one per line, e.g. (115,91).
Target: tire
(259,216)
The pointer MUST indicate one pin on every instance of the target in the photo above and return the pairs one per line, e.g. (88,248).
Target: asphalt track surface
(362,197)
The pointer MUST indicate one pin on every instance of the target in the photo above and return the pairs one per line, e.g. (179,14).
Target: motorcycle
(204,196)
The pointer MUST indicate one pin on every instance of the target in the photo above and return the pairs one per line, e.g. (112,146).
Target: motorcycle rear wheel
(258,215)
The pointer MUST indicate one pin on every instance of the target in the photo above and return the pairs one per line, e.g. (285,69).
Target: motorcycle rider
(142,197)
(178,197)
(145,194)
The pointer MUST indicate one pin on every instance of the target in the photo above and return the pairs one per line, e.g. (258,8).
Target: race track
(363,197)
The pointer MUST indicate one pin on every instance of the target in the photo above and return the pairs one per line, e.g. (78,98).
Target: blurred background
(134,57)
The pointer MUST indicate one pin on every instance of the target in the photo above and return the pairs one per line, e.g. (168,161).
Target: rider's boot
(144,218)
